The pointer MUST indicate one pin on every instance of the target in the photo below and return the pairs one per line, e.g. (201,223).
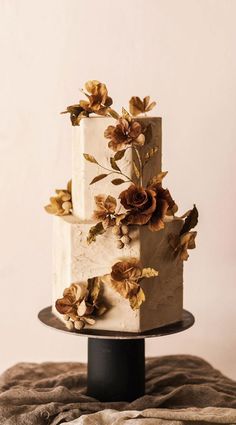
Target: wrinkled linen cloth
(180,390)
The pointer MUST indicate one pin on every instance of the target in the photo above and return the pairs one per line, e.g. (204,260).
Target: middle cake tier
(76,261)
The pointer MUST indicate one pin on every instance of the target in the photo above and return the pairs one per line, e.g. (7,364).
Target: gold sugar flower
(62,203)
(81,304)
(146,205)
(138,106)
(124,278)
(105,209)
(98,102)
(98,99)
(124,134)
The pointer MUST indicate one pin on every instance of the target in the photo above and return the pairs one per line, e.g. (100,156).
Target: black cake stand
(116,360)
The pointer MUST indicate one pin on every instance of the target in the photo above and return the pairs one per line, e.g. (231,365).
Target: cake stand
(116,360)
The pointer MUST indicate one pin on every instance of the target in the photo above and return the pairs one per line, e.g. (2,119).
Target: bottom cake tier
(74,260)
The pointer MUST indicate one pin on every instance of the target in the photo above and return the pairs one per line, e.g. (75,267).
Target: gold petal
(91,85)
(78,324)
(69,186)
(110,204)
(84,104)
(146,101)
(81,309)
(188,239)
(135,106)
(66,197)
(94,287)
(89,320)
(140,140)
(102,91)
(150,107)
(67,206)
(50,209)
(137,299)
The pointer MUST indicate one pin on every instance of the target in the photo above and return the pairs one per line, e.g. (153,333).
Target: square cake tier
(76,261)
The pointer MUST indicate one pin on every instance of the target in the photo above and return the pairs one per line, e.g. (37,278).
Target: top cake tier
(89,138)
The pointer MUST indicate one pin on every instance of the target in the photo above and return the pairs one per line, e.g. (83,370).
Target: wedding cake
(118,245)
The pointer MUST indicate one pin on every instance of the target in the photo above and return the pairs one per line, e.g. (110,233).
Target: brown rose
(147,206)
(124,134)
(140,203)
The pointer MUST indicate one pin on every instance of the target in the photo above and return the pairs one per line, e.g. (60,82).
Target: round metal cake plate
(49,319)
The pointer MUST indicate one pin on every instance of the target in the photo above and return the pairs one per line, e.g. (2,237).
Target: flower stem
(140,167)
(116,172)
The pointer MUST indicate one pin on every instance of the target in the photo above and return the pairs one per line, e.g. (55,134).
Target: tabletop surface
(49,319)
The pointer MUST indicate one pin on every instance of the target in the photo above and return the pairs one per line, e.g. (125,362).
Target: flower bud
(70,325)
(79,324)
(125,229)
(67,206)
(125,239)
(119,244)
(116,230)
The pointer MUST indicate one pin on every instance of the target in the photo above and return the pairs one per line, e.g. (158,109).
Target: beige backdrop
(182,53)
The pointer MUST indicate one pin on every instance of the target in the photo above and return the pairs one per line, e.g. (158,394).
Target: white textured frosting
(89,138)
(75,261)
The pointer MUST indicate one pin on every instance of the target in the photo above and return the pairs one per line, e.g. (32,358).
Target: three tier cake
(118,247)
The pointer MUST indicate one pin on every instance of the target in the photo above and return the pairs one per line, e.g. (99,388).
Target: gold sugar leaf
(113,113)
(119,154)
(158,178)
(94,231)
(116,182)
(90,158)
(97,178)
(136,170)
(114,164)
(151,153)
(190,221)
(137,299)
(126,115)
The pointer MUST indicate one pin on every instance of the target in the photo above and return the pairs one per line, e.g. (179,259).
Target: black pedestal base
(116,369)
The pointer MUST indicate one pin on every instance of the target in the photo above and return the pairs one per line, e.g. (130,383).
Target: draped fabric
(180,389)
